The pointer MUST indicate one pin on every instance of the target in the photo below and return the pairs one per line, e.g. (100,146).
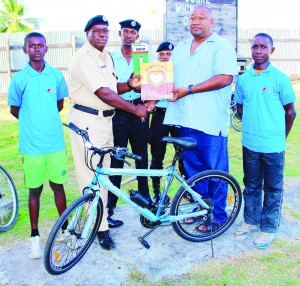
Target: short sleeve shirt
(206,111)
(124,71)
(90,70)
(263,96)
(37,93)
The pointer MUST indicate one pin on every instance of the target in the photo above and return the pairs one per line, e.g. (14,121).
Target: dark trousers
(263,180)
(211,154)
(158,148)
(128,127)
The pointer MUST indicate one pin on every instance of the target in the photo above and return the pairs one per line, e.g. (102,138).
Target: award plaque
(157,80)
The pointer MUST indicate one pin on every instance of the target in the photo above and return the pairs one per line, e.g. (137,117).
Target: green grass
(12,161)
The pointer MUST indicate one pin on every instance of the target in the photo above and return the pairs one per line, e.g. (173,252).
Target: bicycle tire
(235,122)
(182,203)
(9,205)
(60,256)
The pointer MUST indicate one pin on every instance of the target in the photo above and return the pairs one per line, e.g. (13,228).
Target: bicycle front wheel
(65,248)
(220,191)
(235,121)
(9,207)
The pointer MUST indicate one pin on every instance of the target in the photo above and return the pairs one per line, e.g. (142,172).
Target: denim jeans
(263,180)
(211,154)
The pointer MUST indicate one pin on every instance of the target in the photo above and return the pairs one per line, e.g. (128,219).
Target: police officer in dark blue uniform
(158,130)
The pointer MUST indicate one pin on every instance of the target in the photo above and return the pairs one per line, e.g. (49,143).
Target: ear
(212,21)
(119,33)
(46,49)
(272,50)
(25,50)
(137,37)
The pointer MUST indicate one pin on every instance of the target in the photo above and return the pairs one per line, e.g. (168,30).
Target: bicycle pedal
(144,242)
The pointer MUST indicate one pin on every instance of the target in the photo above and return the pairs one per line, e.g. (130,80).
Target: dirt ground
(168,258)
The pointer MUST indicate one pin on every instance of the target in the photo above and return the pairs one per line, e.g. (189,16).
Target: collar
(33,72)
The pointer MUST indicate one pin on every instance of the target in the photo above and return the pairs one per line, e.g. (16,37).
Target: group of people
(105,97)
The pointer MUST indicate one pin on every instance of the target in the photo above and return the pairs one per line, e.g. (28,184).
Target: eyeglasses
(100,31)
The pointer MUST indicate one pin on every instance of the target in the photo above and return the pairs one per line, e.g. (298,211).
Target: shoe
(114,223)
(105,240)
(36,249)
(265,240)
(246,228)
(74,242)
(62,236)
(206,227)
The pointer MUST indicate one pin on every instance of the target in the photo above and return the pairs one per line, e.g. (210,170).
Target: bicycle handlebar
(117,152)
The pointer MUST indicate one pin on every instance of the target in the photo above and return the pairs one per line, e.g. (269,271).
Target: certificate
(157,80)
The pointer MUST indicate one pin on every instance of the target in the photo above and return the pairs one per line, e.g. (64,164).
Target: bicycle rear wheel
(216,183)
(235,121)
(64,249)
(9,207)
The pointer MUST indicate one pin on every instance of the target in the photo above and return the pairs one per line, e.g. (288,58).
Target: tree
(12,18)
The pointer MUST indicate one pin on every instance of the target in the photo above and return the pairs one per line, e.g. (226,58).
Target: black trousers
(128,127)
(158,148)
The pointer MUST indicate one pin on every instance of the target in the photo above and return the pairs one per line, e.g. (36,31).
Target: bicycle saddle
(183,142)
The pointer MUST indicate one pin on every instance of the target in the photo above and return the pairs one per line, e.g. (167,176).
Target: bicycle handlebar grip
(133,156)
(74,127)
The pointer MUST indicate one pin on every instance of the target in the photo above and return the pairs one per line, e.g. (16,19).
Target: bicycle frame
(102,179)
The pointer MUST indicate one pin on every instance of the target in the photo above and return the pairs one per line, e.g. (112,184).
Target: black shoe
(105,240)
(113,223)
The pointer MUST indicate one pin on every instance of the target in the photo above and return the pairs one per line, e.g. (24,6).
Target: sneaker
(105,240)
(36,249)
(246,228)
(265,240)
(62,236)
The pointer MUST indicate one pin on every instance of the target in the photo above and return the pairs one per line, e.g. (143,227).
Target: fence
(62,45)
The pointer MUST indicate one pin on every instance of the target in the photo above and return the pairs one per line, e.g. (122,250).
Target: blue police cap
(97,20)
(130,24)
(165,46)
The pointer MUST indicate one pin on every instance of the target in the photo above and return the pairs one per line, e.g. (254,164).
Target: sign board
(177,18)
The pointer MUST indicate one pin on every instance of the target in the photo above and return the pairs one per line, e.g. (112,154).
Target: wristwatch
(128,84)
(191,89)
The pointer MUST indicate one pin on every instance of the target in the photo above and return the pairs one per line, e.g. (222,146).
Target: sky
(73,14)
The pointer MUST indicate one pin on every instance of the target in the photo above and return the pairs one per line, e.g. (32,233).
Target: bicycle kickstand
(142,238)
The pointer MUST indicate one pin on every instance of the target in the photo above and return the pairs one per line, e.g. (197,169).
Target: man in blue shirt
(204,69)
(127,126)
(265,101)
(36,95)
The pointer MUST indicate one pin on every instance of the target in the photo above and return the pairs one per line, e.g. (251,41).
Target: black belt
(135,101)
(105,113)
(160,109)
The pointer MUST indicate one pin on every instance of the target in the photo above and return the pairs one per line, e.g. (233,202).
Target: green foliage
(12,17)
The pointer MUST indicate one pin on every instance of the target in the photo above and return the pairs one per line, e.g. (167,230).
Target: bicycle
(9,207)
(84,215)
(235,120)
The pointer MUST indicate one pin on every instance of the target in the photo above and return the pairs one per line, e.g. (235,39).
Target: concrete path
(168,257)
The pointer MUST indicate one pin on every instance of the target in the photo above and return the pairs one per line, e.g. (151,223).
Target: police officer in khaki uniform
(93,92)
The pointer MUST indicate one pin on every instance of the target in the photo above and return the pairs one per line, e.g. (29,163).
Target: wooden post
(7,47)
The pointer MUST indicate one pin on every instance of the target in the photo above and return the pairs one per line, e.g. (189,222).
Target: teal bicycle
(187,211)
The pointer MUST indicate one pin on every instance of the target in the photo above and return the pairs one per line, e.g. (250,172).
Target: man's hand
(135,82)
(179,93)
(141,111)
(151,105)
